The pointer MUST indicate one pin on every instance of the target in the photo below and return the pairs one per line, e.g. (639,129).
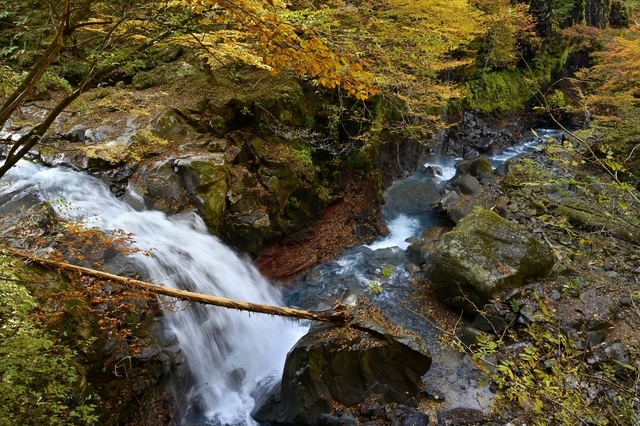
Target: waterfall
(227,351)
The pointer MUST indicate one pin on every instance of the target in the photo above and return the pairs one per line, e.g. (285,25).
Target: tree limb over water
(336,315)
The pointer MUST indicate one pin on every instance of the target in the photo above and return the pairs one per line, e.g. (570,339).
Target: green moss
(505,90)
(523,172)
(38,375)
(511,90)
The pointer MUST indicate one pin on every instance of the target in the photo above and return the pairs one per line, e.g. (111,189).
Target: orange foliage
(287,46)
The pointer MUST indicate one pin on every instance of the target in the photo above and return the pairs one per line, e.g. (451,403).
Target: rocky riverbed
(573,263)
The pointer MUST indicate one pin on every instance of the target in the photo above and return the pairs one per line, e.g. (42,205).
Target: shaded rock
(481,169)
(483,255)
(490,320)
(420,251)
(370,409)
(433,171)
(412,196)
(467,184)
(469,153)
(432,393)
(173,126)
(370,359)
(76,135)
(415,419)
(448,200)
(157,187)
(463,208)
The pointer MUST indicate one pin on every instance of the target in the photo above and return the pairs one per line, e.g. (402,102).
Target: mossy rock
(483,255)
(523,172)
(481,169)
(146,79)
(206,179)
(171,125)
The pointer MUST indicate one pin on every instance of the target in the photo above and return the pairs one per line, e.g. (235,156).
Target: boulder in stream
(483,255)
(332,365)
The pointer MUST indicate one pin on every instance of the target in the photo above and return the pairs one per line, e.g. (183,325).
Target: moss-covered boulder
(274,189)
(206,180)
(333,366)
(483,255)
(481,169)
(173,126)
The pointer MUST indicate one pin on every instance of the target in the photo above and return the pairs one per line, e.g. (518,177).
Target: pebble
(625,301)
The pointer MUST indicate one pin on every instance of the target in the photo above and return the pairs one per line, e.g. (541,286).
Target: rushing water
(227,351)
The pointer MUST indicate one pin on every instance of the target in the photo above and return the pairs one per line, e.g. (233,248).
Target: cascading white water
(227,352)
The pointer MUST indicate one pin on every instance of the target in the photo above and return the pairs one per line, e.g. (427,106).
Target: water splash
(227,352)
(400,229)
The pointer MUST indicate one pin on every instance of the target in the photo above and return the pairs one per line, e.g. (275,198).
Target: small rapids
(407,212)
(227,352)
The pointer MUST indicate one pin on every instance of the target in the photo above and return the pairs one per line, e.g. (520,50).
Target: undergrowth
(543,376)
(39,381)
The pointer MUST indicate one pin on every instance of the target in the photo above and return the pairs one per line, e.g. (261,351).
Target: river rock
(467,184)
(448,200)
(433,171)
(481,169)
(420,251)
(157,187)
(371,359)
(483,255)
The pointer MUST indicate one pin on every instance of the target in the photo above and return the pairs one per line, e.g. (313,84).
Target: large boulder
(483,255)
(467,184)
(333,366)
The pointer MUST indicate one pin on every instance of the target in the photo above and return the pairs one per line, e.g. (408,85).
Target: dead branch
(333,316)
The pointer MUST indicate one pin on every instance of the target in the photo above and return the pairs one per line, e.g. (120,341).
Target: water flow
(407,211)
(227,352)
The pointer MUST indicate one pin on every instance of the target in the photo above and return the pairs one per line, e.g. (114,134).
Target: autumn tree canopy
(88,39)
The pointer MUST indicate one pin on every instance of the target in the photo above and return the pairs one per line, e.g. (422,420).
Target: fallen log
(333,316)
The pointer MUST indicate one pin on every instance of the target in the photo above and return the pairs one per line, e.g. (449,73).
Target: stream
(229,352)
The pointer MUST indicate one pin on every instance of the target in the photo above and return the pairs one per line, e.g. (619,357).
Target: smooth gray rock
(467,184)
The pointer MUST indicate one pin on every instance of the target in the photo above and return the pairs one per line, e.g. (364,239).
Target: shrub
(38,378)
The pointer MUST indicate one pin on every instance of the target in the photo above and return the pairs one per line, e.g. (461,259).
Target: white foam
(216,341)
(400,228)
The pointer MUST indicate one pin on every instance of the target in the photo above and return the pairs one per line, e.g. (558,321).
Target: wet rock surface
(252,190)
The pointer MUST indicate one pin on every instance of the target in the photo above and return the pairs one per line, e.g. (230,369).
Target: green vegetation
(525,172)
(547,381)
(39,380)
(376,286)
(353,76)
